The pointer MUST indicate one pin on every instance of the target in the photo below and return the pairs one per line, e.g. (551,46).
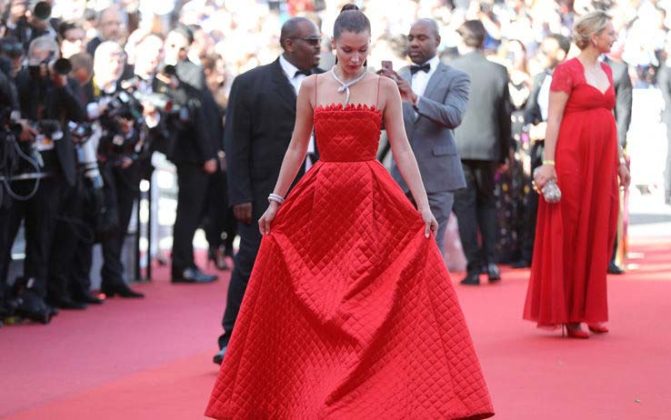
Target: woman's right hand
(430,222)
(543,174)
(268,217)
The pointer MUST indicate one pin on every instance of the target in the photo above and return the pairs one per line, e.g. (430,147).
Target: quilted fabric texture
(350,312)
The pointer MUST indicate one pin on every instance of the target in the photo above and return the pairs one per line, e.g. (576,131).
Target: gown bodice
(583,97)
(347,133)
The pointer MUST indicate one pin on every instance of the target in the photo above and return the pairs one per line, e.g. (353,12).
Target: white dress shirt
(421,79)
(290,71)
(544,96)
(296,80)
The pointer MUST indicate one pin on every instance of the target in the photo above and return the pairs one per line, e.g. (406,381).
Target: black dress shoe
(87,298)
(192,275)
(219,357)
(521,263)
(471,279)
(121,290)
(493,273)
(614,268)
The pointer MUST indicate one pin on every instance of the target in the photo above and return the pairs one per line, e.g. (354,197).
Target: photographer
(47,100)
(8,131)
(121,147)
(193,151)
(28,24)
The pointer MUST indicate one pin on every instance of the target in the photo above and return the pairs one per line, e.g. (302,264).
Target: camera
(80,132)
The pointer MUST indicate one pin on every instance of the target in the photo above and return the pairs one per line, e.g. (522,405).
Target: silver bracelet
(276,198)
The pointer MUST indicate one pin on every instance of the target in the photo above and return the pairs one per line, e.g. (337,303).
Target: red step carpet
(151,359)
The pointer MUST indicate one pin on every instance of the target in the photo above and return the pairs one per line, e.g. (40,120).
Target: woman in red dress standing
(350,312)
(574,237)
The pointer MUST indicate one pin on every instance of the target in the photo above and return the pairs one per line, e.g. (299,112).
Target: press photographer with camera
(47,100)
(122,145)
(192,150)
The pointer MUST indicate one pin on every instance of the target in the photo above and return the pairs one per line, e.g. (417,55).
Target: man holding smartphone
(434,101)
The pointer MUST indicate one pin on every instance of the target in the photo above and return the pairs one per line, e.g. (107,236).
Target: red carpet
(151,359)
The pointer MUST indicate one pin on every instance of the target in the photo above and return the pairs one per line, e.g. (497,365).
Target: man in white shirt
(434,101)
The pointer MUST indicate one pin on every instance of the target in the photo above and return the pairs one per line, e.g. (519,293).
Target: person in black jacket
(47,99)
(623,102)
(483,140)
(259,124)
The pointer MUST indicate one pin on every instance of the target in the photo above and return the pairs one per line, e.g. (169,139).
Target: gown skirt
(350,312)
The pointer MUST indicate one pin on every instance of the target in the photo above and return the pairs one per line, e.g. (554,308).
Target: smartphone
(387,66)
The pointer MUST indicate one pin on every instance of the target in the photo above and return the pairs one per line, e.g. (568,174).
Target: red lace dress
(349,312)
(574,238)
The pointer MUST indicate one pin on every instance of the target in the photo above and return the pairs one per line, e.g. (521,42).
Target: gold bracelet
(548,162)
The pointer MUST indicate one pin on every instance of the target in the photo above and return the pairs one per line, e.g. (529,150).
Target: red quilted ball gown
(350,312)
(574,238)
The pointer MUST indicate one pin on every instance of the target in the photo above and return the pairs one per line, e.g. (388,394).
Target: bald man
(434,101)
(259,123)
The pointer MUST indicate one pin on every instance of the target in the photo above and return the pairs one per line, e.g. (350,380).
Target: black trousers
(250,240)
(475,208)
(121,192)
(39,214)
(71,257)
(219,223)
(531,205)
(193,183)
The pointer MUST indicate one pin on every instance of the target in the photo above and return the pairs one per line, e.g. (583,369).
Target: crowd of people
(90,90)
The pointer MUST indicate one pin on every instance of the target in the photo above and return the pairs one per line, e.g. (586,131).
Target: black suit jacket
(60,104)
(532,111)
(485,132)
(623,98)
(259,123)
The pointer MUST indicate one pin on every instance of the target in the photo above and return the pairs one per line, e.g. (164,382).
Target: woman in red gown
(574,237)
(350,312)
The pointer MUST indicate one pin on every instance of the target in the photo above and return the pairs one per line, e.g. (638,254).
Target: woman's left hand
(625,177)
(430,222)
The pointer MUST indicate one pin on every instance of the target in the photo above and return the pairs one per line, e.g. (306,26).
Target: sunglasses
(312,41)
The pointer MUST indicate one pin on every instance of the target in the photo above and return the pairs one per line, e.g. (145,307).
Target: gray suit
(429,128)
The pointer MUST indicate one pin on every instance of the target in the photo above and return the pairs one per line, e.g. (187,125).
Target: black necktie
(305,72)
(424,67)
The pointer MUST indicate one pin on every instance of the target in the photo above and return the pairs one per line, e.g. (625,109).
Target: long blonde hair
(588,25)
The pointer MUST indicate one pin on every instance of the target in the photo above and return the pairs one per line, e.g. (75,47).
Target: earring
(336,61)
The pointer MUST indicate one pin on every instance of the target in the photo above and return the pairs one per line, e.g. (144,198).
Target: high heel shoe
(574,331)
(597,328)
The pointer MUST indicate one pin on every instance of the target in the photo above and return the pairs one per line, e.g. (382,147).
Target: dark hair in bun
(350,19)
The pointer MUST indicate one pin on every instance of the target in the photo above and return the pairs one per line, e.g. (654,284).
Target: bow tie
(303,72)
(424,67)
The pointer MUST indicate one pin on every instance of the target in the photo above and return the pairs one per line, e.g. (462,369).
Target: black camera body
(117,143)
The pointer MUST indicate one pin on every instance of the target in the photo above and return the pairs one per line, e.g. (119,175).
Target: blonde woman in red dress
(350,312)
(574,237)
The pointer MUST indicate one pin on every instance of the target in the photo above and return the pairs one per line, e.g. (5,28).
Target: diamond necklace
(345,85)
